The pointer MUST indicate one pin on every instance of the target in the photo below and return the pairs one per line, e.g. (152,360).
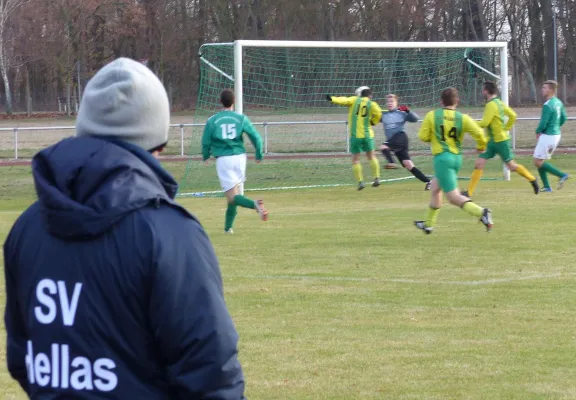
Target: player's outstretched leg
(544,168)
(483,214)
(563,177)
(258,205)
(409,165)
(523,172)
(427,225)
(388,156)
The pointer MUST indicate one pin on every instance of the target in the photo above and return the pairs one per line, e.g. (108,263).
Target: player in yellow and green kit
(498,139)
(444,129)
(223,139)
(363,113)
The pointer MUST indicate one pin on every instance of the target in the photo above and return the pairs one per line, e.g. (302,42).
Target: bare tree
(7,8)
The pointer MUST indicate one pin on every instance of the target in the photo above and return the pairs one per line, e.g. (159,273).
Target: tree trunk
(567,32)
(68,95)
(550,37)
(536,42)
(7,90)
(27,90)
(529,75)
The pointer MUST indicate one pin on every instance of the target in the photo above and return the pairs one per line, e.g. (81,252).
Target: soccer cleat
(376,182)
(361,185)
(390,166)
(546,190)
(262,212)
(535,186)
(486,219)
(562,181)
(428,186)
(422,226)
(465,193)
(229,231)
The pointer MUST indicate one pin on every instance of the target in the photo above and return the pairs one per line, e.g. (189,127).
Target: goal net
(282,87)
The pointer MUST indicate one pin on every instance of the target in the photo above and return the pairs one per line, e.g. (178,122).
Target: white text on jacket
(56,369)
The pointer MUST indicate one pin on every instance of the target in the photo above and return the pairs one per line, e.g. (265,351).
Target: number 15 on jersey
(228,131)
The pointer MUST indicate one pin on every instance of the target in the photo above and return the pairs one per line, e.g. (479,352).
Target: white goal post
(239,45)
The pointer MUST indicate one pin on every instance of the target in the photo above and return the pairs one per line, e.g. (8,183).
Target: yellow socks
(375,167)
(473,209)
(476,175)
(431,217)
(522,171)
(357,169)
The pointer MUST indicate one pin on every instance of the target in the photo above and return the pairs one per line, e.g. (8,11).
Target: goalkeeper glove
(328,97)
(404,109)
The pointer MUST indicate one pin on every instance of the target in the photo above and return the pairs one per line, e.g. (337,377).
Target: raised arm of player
(477,133)
(509,112)
(375,113)
(427,129)
(411,116)
(344,101)
(207,140)
(254,137)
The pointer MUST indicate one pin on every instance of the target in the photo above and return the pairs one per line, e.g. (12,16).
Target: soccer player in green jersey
(363,114)
(498,139)
(223,139)
(548,134)
(444,129)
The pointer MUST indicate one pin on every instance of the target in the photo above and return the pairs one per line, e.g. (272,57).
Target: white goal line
(215,192)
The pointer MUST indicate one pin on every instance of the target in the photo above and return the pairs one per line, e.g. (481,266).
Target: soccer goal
(282,87)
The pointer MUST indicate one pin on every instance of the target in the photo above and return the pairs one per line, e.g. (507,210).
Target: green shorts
(446,168)
(361,145)
(503,149)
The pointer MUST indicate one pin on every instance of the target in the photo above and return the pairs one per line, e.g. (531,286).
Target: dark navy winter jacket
(113,290)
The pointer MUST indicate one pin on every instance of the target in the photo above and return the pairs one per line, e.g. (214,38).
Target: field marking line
(404,280)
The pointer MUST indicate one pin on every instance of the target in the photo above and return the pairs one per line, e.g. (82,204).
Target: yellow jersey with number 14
(363,113)
(444,129)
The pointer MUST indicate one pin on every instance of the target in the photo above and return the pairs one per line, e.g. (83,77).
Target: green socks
(230,216)
(553,170)
(243,201)
(544,177)
(231,211)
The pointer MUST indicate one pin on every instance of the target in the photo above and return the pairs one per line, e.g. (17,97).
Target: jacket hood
(87,185)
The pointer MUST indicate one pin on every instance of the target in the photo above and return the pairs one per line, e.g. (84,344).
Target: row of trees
(49,49)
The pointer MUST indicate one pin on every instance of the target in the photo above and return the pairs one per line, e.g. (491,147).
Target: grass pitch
(338,296)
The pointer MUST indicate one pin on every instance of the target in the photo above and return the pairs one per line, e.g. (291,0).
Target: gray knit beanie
(125,101)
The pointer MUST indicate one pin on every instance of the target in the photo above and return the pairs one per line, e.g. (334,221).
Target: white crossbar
(369,45)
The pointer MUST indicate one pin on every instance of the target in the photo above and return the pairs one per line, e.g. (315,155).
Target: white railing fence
(18,132)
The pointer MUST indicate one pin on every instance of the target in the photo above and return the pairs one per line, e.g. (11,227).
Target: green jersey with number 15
(223,135)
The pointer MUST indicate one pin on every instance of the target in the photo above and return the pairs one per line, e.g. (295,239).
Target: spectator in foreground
(113,289)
